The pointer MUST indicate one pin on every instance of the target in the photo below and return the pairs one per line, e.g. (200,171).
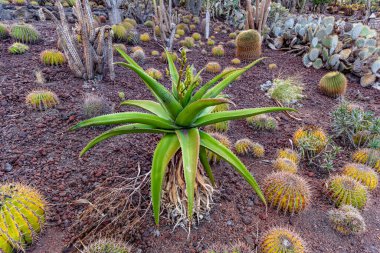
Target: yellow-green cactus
(210,42)
(287,192)
(367,156)
(333,84)
(218,51)
(289,154)
(145,37)
(262,122)
(213,67)
(364,174)
(25,33)
(18,48)
(156,74)
(42,99)
(257,150)
(285,164)
(282,240)
(52,57)
(344,190)
(187,42)
(235,61)
(119,32)
(196,36)
(23,216)
(4,33)
(310,138)
(243,146)
(164,57)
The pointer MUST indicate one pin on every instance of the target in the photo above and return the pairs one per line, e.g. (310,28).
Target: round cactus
(287,192)
(154,53)
(184,27)
(107,246)
(223,139)
(344,190)
(220,127)
(257,150)
(362,173)
(4,33)
(18,48)
(23,216)
(180,32)
(173,55)
(248,45)
(347,220)
(232,35)
(149,23)
(52,57)
(367,156)
(213,67)
(42,99)
(289,154)
(187,42)
(94,105)
(262,122)
(196,36)
(360,138)
(139,56)
(231,44)
(133,37)
(285,164)
(243,146)
(119,46)
(218,51)
(130,21)
(25,33)
(145,37)
(134,49)
(154,73)
(282,240)
(210,42)
(272,66)
(221,108)
(333,84)
(119,32)
(235,61)
(310,138)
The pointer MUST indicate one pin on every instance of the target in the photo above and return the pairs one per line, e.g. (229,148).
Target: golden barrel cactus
(248,45)
(333,84)
(285,164)
(310,138)
(23,216)
(362,173)
(370,157)
(287,192)
(243,146)
(289,154)
(282,240)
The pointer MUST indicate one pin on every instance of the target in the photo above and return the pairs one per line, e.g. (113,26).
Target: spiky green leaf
(150,106)
(206,165)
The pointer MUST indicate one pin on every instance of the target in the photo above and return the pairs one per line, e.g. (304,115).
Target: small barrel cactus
(133,37)
(139,56)
(180,32)
(149,23)
(333,84)
(118,46)
(52,57)
(42,99)
(18,48)
(367,156)
(154,53)
(287,192)
(364,174)
(210,42)
(107,246)
(232,35)
(243,146)
(262,122)
(289,154)
(347,220)
(282,240)
(235,61)
(25,33)
(134,49)
(272,66)
(23,216)
(145,37)
(164,57)
(257,150)
(154,73)
(360,138)
(285,164)
(344,190)
(94,105)
(130,21)
(196,36)
(220,127)
(187,42)
(311,139)
(119,32)
(248,45)
(231,44)
(212,157)
(4,33)
(213,67)
(218,51)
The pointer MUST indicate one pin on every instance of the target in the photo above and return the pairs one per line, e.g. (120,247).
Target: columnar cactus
(282,240)
(287,192)
(25,33)
(362,173)
(248,45)
(285,164)
(23,215)
(333,84)
(344,190)
(52,57)
(42,99)
(347,220)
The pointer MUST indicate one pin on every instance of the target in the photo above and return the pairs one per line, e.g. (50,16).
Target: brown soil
(45,155)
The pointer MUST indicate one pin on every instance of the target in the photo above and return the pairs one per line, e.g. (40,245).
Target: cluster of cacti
(220,127)
(4,33)
(287,192)
(196,36)
(130,21)
(164,57)
(262,122)
(212,157)
(145,37)
(154,73)
(362,173)
(334,44)
(344,190)
(42,99)
(52,57)
(285,164)
(347,220)
(107,246)
(22,212)
(310,139)
(360,138)
(287,91)
(333,84)
(289,154)
(187,42)
(18,48)
(213,67)
(139,56)
(282,240)
(24,33)
(235,61)
(248,45)
(218,51)
(367,156)
(94,105)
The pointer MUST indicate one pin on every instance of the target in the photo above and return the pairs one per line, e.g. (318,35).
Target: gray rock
(8,167)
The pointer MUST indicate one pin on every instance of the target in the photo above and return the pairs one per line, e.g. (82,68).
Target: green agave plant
(178,115)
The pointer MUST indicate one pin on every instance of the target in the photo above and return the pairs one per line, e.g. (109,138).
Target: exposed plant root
(287,113)
(114,210)
(174,198)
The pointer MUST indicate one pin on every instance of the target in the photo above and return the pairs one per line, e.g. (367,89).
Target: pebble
(246,220)
(230,223)
(8,167)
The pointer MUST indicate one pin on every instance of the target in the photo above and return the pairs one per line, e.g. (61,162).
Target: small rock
(246,220)
(8,167)
(230,223)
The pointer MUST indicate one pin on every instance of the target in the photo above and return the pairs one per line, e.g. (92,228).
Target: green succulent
(25,33)
(18,48)
(179,114)
(4,33)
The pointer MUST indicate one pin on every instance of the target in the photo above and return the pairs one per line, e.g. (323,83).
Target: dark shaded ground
(44,154)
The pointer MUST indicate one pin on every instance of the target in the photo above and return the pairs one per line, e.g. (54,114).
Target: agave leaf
(165,150)
(218,148)
(217,89)
(190,143)
(206,165)
(173,73)
(236,114)
(127,58)
(165,98)
(126,117)
(192,111)
(120,130)
(150,106)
